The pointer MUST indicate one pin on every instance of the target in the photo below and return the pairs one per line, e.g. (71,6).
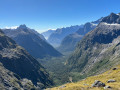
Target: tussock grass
(87,83)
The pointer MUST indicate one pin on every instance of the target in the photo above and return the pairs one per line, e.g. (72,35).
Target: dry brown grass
(87,83)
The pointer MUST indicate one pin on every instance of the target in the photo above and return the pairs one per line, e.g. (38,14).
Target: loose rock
(98,84)
(114,68)
(110,81)
(63,86)
(107,87)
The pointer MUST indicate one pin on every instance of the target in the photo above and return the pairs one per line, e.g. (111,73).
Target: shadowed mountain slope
(32,42)
(16,59)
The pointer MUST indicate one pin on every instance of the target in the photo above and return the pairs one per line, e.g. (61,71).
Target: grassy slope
(87,83)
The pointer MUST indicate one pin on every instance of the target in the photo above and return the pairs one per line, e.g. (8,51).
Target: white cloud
(51,29)
(13,27)
(44,30)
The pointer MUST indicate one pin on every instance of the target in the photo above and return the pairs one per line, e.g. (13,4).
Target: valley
(59,45)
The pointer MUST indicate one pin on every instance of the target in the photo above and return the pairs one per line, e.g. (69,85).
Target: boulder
(98,84)
(63,86)
(107,87)
(114,68)
(110,81)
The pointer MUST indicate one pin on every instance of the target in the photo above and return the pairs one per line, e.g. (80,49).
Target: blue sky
(45,14)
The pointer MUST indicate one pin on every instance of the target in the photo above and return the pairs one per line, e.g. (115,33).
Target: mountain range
(32,41)
(59,34)
(70,41)
(47,34)
(96,52)
(99,49)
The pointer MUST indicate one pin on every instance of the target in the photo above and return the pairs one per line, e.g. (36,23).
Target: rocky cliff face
(11,81)
(99,49)
(15,59)
(32,42)
(112,18)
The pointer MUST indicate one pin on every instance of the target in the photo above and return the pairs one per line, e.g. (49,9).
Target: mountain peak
(112,18)
(22,26)
(113,14)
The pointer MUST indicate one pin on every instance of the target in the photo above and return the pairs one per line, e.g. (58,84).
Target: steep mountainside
(47,33)
(31,41)
(70,41)
(60,33)
(68,44)
(9,81)
(40,35)
(16,59)
(99,49)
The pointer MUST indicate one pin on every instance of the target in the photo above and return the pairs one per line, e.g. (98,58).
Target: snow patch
(94,24)
(112,24)
(118,14)
(13,27)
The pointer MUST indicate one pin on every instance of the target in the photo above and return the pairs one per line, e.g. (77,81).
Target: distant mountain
(47,33)
(99,49)
(59,34)
(69,42)
(32,42)
(14,58)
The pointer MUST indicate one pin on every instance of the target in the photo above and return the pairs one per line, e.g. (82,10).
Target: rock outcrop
(98,84)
